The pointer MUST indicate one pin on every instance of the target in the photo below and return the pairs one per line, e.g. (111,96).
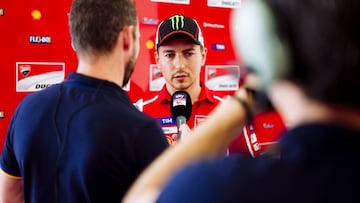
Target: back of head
(95,24)
(322,42)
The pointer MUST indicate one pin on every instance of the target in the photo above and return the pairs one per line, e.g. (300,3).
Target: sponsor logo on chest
(168,124)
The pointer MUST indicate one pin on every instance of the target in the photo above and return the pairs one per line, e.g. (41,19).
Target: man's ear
(204,54)
(72,46)
(156,56)
(127,37)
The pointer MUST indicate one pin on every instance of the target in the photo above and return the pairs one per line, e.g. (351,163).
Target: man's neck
(101,68)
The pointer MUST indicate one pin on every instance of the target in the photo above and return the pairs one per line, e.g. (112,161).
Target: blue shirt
(79,141)
(318,163)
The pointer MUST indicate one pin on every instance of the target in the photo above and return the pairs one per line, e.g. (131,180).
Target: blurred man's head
(313,44)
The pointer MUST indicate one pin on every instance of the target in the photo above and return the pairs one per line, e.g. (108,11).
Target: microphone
(180,108)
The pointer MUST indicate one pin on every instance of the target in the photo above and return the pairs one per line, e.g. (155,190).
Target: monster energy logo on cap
(179,25)
(177,22)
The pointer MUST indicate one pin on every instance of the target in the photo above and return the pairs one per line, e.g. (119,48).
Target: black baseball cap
(179,25)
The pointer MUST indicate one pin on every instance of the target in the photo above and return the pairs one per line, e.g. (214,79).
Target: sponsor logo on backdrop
(213,25)
(25,70)
(156,80)
(222,77)
(149,44)
(224,3)
(1,11)
(149,21)
(34,39)
(173,1)
(36,14)
(35,76)
(218,46)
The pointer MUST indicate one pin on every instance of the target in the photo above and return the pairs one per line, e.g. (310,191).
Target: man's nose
(179,61)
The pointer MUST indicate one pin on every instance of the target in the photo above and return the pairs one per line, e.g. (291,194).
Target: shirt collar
(205,94)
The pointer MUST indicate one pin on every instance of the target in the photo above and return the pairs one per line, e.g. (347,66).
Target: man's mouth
(180,76)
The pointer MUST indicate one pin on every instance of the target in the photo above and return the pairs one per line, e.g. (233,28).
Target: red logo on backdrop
(35,76)
(156,81)
(222,77)
(25,70)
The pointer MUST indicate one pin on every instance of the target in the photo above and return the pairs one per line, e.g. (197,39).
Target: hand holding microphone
(180,108)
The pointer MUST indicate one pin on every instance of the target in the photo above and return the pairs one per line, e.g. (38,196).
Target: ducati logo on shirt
(268,125)
(253,138)
(251,128)
(199,119)
(256,147)
(169,129)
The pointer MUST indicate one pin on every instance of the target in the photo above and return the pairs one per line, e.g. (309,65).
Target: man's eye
(169,55)
(189,53)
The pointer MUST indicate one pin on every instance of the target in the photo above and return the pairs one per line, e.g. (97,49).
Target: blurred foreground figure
(83,140)
(307,54)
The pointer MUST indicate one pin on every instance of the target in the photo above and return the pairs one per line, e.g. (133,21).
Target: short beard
(129,69)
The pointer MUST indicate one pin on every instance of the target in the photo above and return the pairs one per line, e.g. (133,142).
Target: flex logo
(177,22)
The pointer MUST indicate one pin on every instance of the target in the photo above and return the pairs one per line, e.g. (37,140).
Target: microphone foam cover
(180,104)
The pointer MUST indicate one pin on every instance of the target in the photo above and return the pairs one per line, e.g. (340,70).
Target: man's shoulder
(41,96)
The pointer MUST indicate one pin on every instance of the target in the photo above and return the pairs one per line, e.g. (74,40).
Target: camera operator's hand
(186,132)
(261,101)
